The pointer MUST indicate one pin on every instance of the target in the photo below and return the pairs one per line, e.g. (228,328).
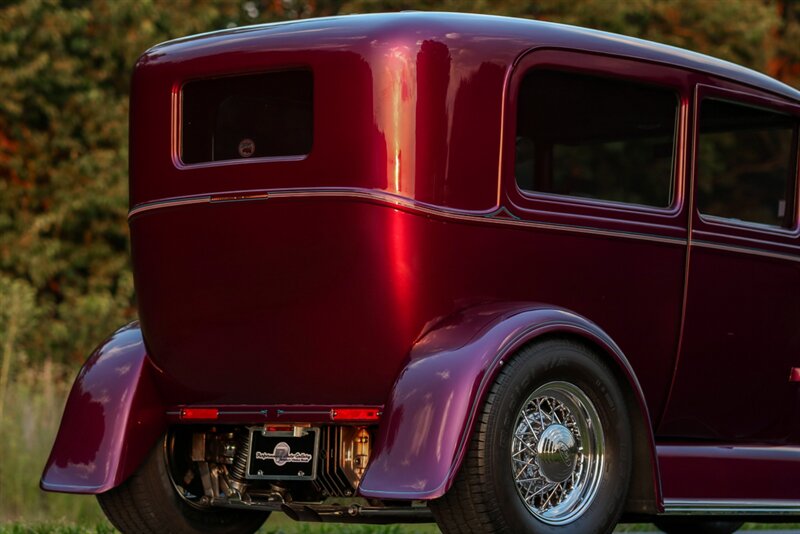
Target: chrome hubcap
(557,453)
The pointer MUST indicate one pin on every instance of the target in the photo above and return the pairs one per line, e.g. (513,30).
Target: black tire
(485,496)
(696,525)
(147,503)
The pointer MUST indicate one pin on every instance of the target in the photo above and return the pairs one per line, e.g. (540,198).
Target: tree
(64,75)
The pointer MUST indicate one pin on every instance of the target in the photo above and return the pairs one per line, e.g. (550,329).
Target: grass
(271,527)
(34,400)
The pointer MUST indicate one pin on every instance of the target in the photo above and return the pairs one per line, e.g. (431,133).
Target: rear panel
(265,271)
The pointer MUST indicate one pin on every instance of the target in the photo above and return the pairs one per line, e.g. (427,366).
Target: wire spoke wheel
(557,452)
(551,452)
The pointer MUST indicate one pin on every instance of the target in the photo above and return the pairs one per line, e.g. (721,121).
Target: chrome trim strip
(783,240)
(185,201)
(730,507)
(746,250)
(724,224)
(490,217)
(239,197)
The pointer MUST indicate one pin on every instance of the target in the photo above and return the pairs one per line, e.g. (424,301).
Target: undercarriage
(311,473)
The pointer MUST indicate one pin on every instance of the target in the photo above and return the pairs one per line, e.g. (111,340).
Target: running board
(731,508)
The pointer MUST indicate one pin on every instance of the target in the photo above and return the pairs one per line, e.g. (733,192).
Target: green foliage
(783,52)
(18,317)
(64,75)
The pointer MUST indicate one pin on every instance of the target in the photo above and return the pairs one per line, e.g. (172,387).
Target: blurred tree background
(65,279)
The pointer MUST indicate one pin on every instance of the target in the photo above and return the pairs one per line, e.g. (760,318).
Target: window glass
(252,116)
(746,163)
(593,137)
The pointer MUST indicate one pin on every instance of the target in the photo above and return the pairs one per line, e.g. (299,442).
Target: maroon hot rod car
(508,275)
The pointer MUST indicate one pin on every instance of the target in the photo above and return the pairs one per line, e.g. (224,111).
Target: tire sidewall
(149,502)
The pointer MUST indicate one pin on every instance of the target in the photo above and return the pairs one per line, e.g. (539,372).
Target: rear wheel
(148,503)
(695,525)
(551,452)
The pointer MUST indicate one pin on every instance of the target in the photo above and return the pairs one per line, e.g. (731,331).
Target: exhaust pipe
(376,515)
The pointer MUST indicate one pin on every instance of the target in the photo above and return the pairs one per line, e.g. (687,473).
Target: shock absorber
(238,470)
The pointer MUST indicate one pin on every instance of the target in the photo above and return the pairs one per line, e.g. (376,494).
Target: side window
(746,163)
(592,137)
(251,116)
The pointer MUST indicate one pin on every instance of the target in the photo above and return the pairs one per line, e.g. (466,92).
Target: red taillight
(355,414)
(199,413)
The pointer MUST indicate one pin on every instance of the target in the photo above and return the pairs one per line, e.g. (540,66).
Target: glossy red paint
(113,417)
(431,411)
(729,472)
(396,264)
(741,304)
(269,289)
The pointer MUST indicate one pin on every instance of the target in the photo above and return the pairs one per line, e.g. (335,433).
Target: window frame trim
(604,201)
(177,119)
(625,68)
(715,223)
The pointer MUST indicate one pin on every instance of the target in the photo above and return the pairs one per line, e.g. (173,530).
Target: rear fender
(430,414)
(112,419)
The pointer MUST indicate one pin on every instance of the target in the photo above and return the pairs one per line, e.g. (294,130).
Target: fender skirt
(112,419)
(430,414)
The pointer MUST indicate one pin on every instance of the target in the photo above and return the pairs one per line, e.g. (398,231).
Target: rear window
(746,163)
(599,138)
(253,116)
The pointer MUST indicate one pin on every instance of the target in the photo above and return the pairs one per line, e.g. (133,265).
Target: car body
(424,216)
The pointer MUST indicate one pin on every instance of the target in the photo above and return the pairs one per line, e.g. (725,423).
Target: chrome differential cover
(557,453)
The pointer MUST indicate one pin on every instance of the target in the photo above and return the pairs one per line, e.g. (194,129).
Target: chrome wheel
(557,453)
(551,451)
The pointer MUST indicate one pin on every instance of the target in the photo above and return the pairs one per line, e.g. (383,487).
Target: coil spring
(239,465)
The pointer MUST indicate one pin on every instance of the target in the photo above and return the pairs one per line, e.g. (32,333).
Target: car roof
(508,37)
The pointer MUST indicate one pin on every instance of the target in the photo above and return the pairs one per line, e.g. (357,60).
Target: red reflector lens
(355,414)
(199,413)
(279,428)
